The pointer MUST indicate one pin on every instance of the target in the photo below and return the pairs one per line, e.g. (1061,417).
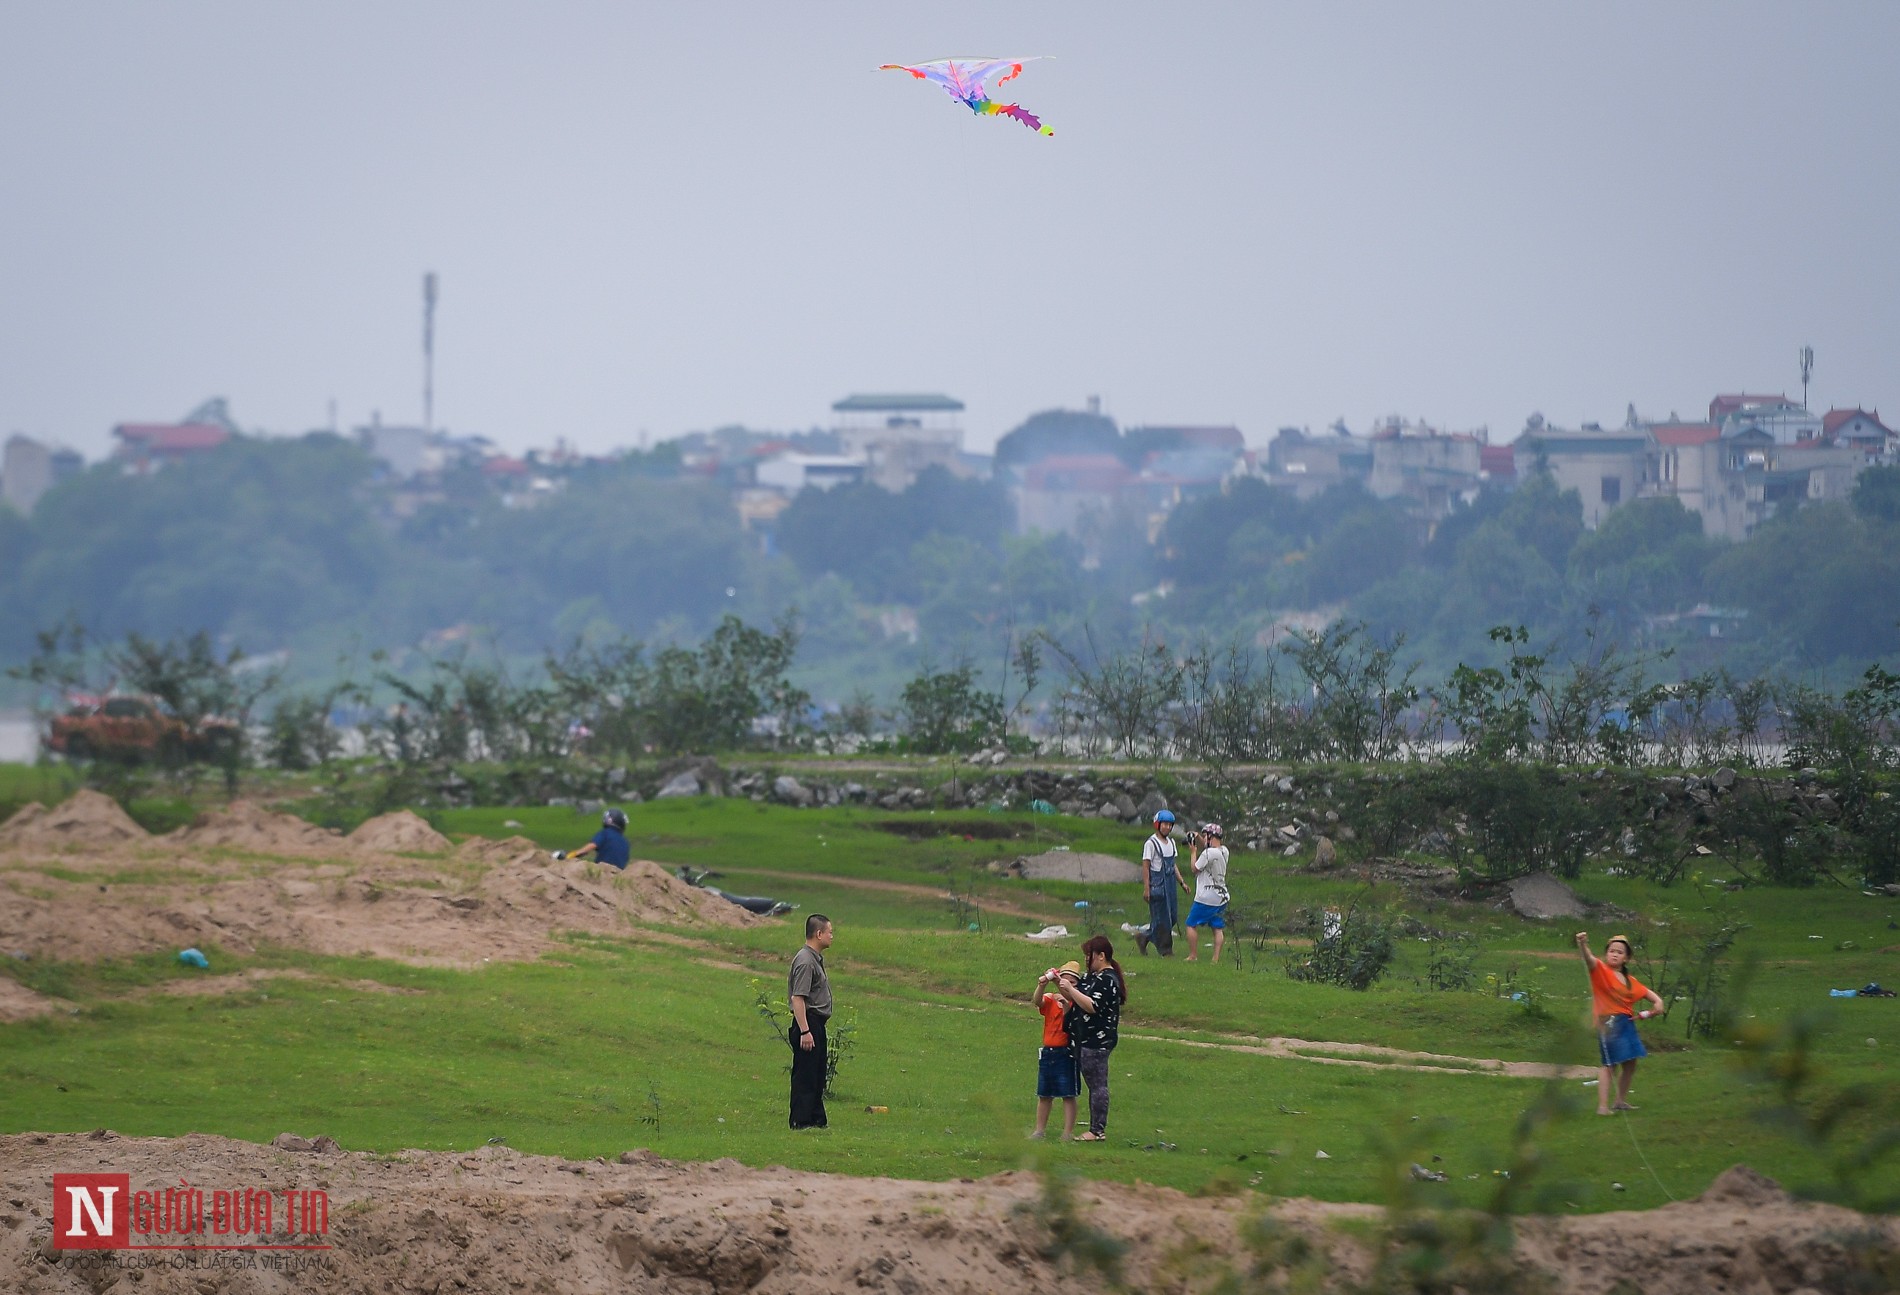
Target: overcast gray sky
(661,217)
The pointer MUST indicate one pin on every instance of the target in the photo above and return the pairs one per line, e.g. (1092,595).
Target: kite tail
(989,108)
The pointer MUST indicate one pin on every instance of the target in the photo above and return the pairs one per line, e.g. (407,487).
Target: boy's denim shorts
(1057,1075)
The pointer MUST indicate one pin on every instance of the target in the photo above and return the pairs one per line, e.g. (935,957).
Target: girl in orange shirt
(1614,994)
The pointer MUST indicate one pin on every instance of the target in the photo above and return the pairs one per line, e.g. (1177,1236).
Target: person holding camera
(1207,856)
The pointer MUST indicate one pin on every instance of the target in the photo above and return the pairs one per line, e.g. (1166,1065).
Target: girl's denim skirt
(1618,1041)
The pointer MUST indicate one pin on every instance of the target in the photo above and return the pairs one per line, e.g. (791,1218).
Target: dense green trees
(271,543)
(1824,578)
(1058,431)
(261,538)
(867,534)
(1649,555)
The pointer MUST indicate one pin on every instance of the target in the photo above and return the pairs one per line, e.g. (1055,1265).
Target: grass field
(608,1044)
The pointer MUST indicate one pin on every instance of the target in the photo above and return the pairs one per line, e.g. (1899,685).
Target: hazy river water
(16,738)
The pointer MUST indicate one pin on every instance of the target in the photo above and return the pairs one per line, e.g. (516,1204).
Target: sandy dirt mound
(88,820)
(482,849)
(400,833)
(1076,865)
(243,825)
(576,895)
(497,1220)
(328,895)
(18,1003)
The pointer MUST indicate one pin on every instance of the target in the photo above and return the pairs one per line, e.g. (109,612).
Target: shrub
(1351,948)
(1523,818)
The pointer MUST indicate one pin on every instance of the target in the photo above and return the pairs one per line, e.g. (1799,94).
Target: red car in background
(137,730)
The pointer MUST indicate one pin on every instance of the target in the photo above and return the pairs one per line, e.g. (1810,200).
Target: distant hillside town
(1070,472)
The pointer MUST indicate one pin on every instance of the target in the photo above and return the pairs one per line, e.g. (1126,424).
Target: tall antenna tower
(1807,367)
(428,351)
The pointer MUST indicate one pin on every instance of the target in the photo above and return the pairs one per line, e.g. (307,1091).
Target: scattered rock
(1076,865)
(683,783)
(788,789)
(1541,896)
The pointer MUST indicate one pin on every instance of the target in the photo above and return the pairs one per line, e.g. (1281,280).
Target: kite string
(1630,1125)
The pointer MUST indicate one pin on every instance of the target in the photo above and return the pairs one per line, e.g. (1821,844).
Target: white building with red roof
(1862,429)
(144,447)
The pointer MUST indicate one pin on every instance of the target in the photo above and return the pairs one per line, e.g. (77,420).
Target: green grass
(23,783)
(607,1044)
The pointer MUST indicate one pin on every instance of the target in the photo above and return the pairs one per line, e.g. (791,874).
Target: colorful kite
(963,79)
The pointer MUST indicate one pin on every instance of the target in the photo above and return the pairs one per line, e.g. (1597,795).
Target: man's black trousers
(808,1077)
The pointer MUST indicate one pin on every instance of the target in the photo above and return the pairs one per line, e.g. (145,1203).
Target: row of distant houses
(888,439)
(28,469)
(1752,454)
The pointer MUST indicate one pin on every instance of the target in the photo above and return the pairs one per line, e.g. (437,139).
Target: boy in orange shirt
(1056,1073)
(1614,994)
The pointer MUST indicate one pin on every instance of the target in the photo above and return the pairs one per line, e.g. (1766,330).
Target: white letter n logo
(86,1213)
(82,1200)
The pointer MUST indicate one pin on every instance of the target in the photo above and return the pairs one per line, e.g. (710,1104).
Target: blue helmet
(1164,816)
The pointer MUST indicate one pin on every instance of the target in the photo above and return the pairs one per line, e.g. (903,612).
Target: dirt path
(495,1220)
(1374,1057)
(911,889)
(1021,764)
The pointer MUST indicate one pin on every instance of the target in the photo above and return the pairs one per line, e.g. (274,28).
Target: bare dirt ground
(1078,865)
(83,882)
(18,1003)
(497,1220)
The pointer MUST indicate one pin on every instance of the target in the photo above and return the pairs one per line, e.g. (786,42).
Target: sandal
(1090,1137)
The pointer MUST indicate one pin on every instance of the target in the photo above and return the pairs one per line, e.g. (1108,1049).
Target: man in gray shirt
(809,994)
